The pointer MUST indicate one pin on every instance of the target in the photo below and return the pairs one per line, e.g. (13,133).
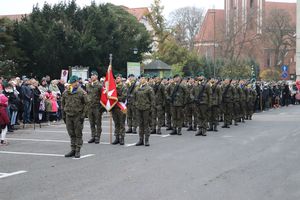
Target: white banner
(64,75)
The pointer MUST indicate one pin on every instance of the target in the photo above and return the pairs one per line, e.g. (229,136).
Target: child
(4,119)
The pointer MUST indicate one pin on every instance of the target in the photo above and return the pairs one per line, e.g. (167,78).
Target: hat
(94,73)
(200,74)
(131,75)
(73,79)
(119,75)
(176,75)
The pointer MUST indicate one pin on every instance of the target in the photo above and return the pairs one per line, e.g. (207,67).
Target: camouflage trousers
(191,114)
(95,119)
(158,116)
(214,112)
(168,115)
(177,116)
(203,115)
(119,119)
(143,117)
(74,126)
(131,116)
(228,110)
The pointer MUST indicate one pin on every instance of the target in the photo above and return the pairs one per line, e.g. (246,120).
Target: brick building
(240,29)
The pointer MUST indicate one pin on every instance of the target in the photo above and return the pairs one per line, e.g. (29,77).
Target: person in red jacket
(4,119)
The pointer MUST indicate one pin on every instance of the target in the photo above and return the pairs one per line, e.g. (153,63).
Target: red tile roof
(139,13)
(13,17)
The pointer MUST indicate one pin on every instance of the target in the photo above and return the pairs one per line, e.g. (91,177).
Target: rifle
(226,89)
(200,95)
(214,90)
(175,92)
(131,89)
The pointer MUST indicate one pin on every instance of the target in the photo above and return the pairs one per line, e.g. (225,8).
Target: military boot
(140,142)
(134,130)
(179,131)
(195,128)
(70,154)
(122,141)
(147,141)
(129,130)
(210,127)
(199,132)
(158,131)
(169,128)
(225,126)
(153,131)
(97,140)
(235,122)
(117,141)
(203,132)
(92,140)
(77,153)
(250,117)
(190,128)
(215,128)
(174,132)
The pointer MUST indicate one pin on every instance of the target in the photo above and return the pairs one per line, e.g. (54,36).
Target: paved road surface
(258,160)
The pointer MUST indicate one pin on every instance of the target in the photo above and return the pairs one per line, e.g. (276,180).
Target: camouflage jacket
(179,97)
(74,103)
(93,94)
(216,97)
(130,90)
(201,94)
(228,94)
(144,97)
(159,94)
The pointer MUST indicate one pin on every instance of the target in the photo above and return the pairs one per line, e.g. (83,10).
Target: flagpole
(110,114)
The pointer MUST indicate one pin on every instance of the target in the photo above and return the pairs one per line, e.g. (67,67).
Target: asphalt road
(258,160)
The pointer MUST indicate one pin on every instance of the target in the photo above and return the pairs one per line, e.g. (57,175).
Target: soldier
(118,116)
(216,100)
(190,107)
(169,84)
(227,102)
(202,97)
(158,109)
(242,100)
(131,116)
(94,107)
(74,107)
(177,94)
(144,100)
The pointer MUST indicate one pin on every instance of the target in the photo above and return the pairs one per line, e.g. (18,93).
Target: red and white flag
(109,94)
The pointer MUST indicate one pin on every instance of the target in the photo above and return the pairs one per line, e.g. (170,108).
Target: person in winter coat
(4,120)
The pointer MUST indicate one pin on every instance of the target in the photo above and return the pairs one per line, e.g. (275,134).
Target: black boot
(122,140)
(195,128)
(153,131)
(97,140)
(190,128)
(225,126)
(203,131)
(9,129)
(134,130)
(199,132)
(174,132)
(117,141)
(77,153)
(215,128)
(158,131)
(92,140)
(210,127)
(129,130)
(169,128)
(70,154)
(179,131)
(140,142)
(147,141)
(250,117)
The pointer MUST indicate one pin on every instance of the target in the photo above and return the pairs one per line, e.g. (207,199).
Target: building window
(269,59)
(251,3)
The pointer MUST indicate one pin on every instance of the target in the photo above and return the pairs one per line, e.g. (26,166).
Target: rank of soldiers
(198,104)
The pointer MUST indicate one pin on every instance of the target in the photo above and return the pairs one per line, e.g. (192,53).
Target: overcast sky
(25,6)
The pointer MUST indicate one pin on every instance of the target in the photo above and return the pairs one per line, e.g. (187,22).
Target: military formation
(196,103)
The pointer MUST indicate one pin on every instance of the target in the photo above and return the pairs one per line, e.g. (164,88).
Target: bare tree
(279,34)
(185,23)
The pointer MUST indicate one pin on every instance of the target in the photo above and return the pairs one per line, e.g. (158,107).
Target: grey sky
(25,6)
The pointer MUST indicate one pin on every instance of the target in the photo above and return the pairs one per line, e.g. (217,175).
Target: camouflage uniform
(177,96)
(74,108)
(168,108)
(94,109)
(227,104)
(158,108)
(190,109)
(143,100)
(251,93)
(216,100)
(118,116)
(131,110)
(202,97)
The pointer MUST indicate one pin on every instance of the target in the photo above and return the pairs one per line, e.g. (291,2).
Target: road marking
(227,136)
(43,140)
(165,135)
(130,145)
(42,154)
(4,175)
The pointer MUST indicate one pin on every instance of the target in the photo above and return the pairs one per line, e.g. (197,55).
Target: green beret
(200,74)
(94,73)
(73,79)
